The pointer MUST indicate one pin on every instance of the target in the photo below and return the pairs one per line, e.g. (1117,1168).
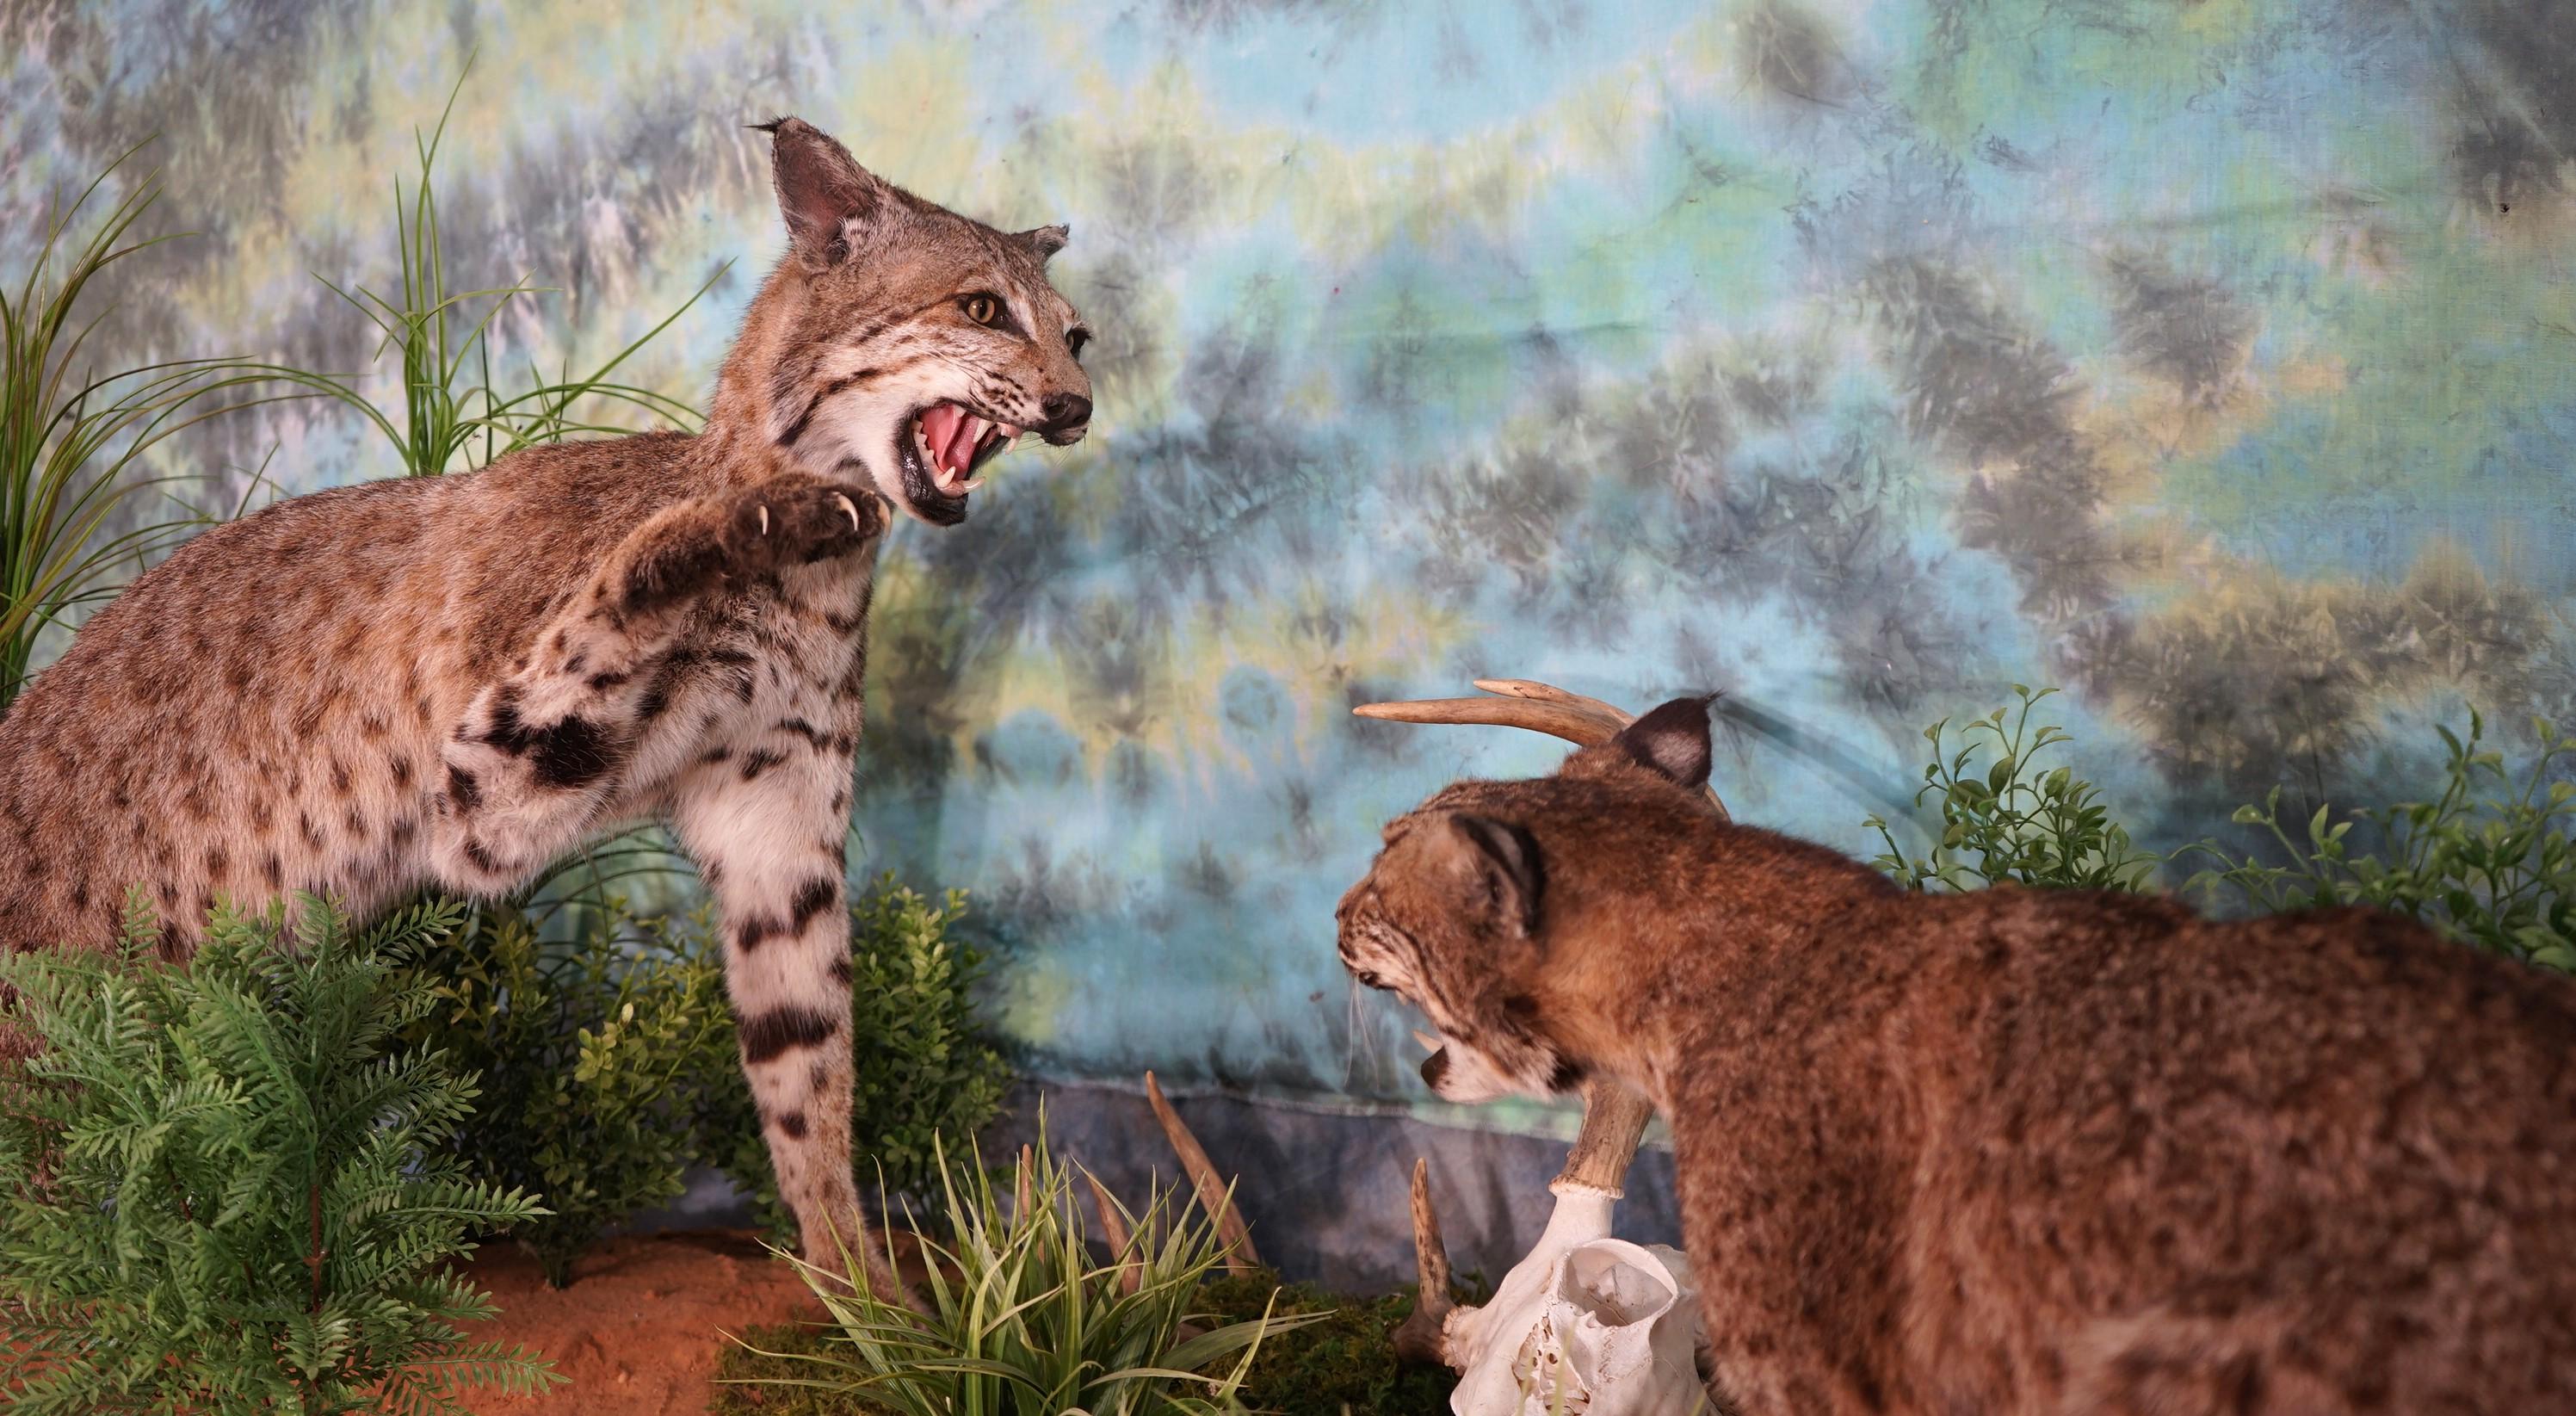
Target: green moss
(1345,1364)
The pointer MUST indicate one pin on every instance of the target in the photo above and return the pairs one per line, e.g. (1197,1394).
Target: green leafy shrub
(2488,862)
(227,1187)
(612,1061)
(926,1067)
(595,1052)
(1021,1321)
(2012,820)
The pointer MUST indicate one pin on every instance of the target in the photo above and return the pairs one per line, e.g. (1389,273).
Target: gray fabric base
(1325,1193)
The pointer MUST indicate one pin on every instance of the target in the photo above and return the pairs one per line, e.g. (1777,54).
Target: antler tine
(1573,722)
(1424,1337)
(1523,703)
(1239,1255)
(1114,1231)
(1550,693)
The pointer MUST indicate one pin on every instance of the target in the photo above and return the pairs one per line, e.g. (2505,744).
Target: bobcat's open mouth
(939,449)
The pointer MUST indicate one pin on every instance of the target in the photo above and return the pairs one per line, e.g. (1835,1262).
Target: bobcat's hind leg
(538,751)
(771,848)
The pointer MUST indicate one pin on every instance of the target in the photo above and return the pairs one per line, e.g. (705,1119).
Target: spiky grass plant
(1021,1321)
(225,1187)
(454,414)
(76,464)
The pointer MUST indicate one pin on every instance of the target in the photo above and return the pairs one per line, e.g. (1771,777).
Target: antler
(1522,703)
(1614,1117)
(1239,1255)
(1131,1268)
(1424,1336)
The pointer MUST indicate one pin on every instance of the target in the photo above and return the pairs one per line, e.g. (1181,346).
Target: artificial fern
(225,1186)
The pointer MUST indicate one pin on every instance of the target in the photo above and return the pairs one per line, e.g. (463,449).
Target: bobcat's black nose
(1066,416)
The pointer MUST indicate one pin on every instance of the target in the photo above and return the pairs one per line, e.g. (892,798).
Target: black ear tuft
(771,127)
(1047,240)
(1672,741)
(1509,864)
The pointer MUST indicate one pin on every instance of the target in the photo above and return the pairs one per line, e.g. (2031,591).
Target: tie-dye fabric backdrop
(2214,360)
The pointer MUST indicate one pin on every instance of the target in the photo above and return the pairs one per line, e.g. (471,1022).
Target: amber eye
(982,309)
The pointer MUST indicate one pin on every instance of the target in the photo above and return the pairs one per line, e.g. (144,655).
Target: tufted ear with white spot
(827,199)
(1672,741)
(1046,240)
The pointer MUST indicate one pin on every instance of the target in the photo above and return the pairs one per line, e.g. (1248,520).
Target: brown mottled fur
(2013,1151)
(453,681)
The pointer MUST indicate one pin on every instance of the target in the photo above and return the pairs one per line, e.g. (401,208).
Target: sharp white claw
(764,521)
(849,509)
(1429,1043)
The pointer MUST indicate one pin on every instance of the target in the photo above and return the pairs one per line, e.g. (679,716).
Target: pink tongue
(939,424)
(961,448)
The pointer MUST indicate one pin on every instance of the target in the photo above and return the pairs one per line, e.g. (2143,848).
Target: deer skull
(1584,1324)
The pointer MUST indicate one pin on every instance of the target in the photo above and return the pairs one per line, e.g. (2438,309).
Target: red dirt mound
(639,1329)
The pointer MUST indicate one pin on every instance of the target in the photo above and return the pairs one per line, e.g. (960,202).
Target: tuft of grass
(76,445)
(1020,1320)
(454,413)
(1343,1363)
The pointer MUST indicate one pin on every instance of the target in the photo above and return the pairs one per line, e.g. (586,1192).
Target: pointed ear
(1046,240)
(1503,872)
(822,191)
(1672,741)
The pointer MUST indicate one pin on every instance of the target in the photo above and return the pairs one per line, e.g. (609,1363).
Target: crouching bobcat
(2012,1151)
(452,681)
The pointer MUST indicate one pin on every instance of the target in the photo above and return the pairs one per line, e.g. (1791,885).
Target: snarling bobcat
(2013,1151)
(453,681)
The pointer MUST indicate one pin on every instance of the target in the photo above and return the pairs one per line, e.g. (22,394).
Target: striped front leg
(769,844)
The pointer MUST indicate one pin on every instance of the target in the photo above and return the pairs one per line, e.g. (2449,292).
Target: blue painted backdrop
(1860,357)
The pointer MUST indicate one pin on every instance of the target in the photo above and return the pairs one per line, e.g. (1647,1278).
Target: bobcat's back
(261,713)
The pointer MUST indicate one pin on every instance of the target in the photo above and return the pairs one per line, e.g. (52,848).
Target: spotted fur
(450,682)
(2015,1152)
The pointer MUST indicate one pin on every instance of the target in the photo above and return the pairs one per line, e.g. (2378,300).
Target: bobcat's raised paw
(792,521)
(729,542)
